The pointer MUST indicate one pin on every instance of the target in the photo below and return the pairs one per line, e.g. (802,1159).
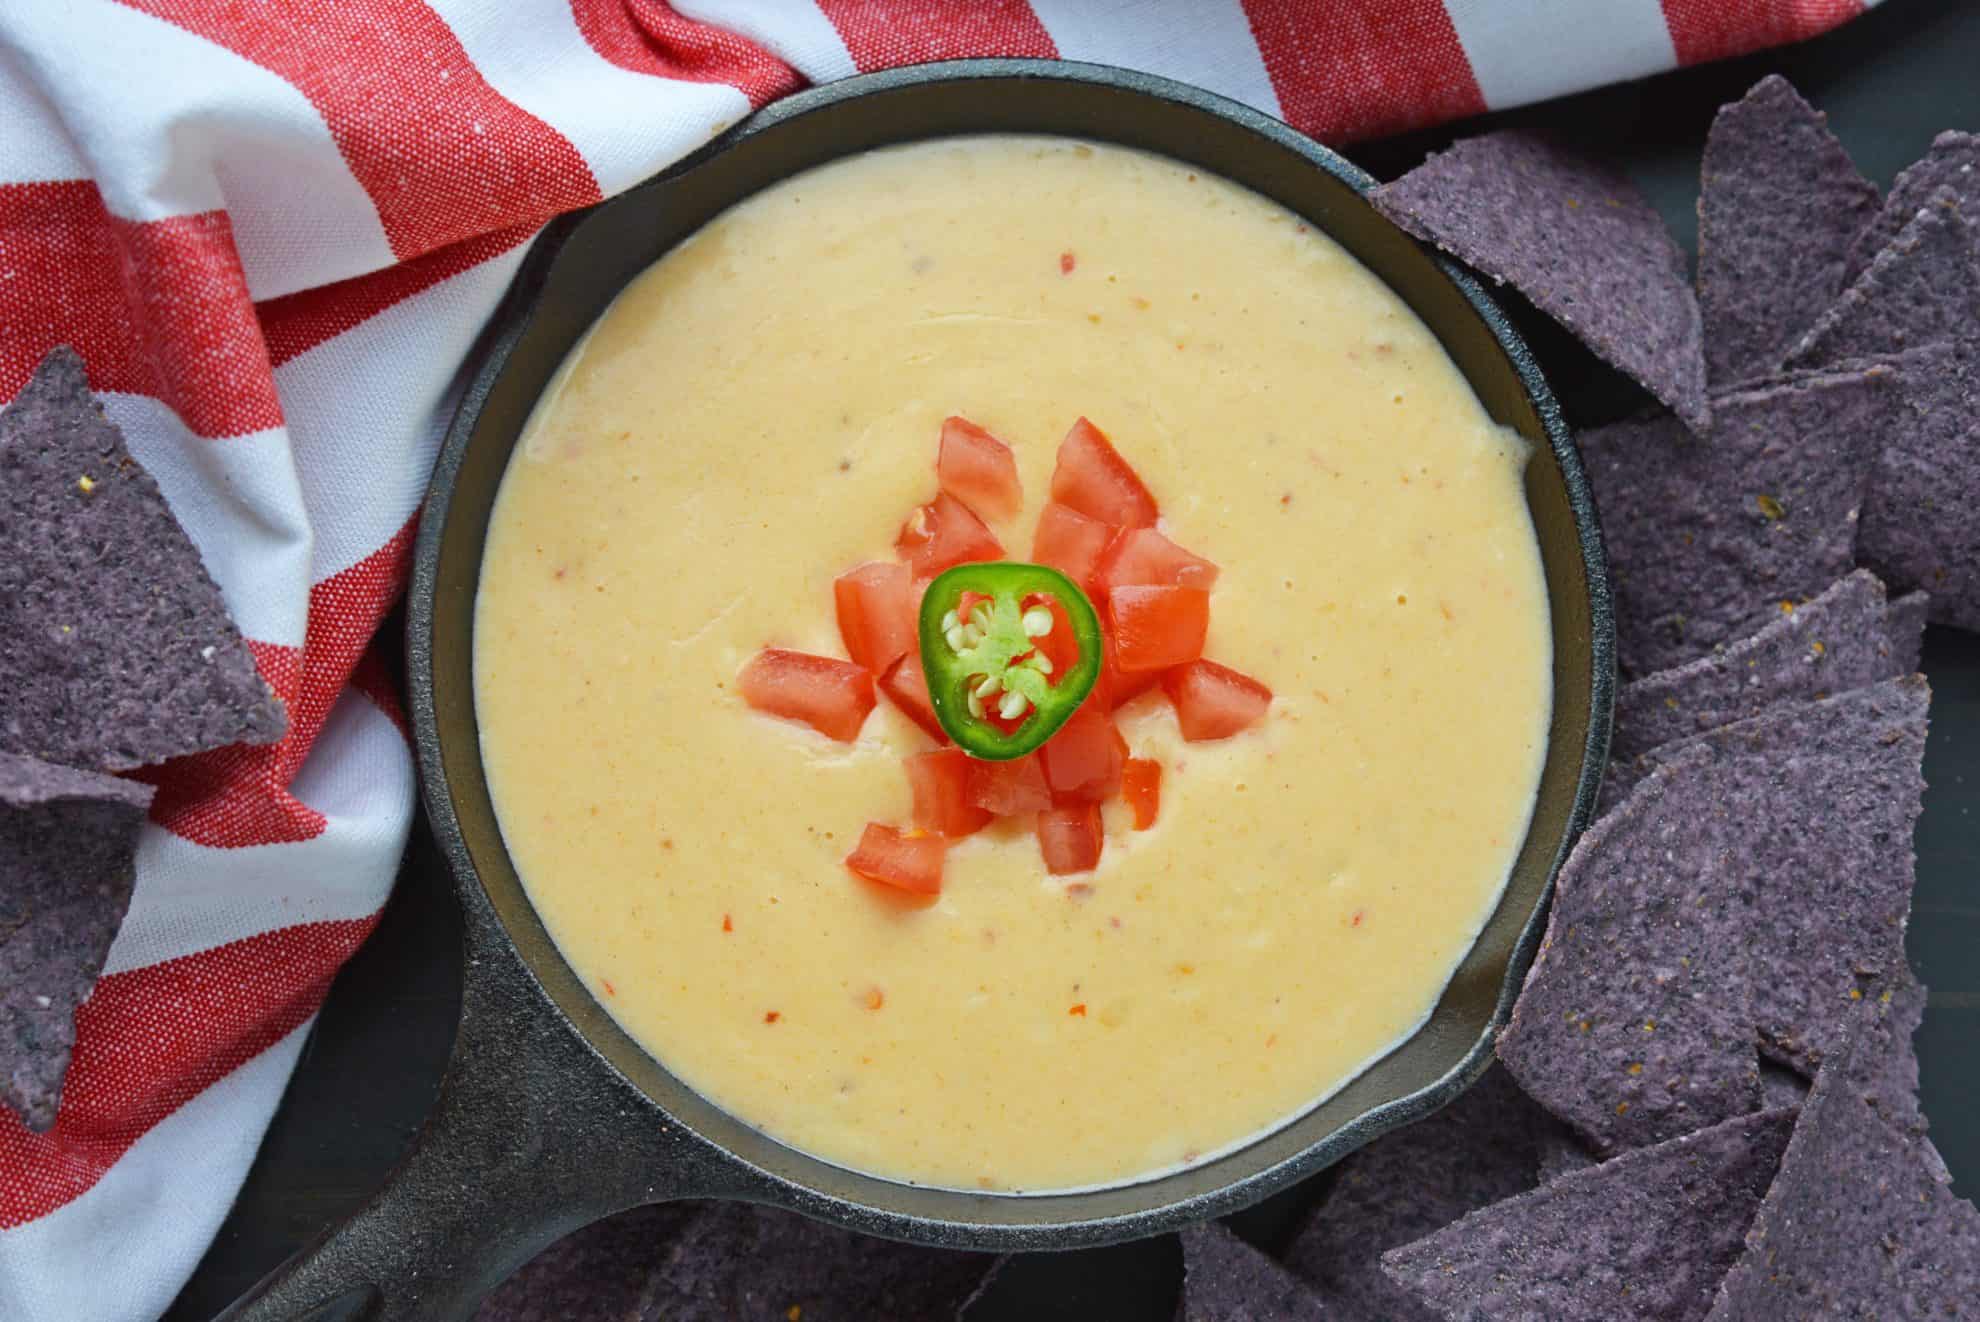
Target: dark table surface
(1889,82)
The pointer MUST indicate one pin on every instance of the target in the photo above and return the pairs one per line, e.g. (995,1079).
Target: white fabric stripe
(1530,50)
(34,147)
(190,898)
(1205,42)
(366,410)
(240,502)
(210,130)
(121,1251)
(626,125)
(795,31)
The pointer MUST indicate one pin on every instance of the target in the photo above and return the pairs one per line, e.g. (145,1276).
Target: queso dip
(756,413)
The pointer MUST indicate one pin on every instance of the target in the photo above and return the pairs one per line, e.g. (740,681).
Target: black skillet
(551,1116)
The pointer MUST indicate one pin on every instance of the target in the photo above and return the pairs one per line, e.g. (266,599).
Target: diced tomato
(940,782)
(978,469)
(1070,837)
(1071,543)
(1009,788)
(1213,701)
(1092,478)
(1083,757)
(1144,557)
(1060,647)
(1118,688)
(907,687)
(908,860)
(1155,628)
(876,613)
(943,534)
(1141,786)
(830,695)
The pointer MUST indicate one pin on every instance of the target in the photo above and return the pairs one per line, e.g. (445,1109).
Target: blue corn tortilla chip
(1708,534)
(1922,289)
(1906,625)
(1635,1024)
(68,850)
(1648,1234)
(1483,1147)
(1227,1280)
(1843,639)
(599,1271)
(1561,1152)
(1857,1223)
(736,1260)
(1918,529)
(1779,206)
(121,652)
(1952,162)
(1780,1086)
(1577,239)
(1822,797)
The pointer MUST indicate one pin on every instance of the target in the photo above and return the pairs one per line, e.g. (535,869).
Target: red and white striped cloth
(273,230)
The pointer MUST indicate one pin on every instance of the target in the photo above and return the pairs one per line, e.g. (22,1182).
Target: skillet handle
(532,1137)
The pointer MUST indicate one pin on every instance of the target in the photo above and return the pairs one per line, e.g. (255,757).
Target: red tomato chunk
(1141,787)
(1071,837)
(979,470)
(940,782)
(906,860)
(1144,557)
(1083,759)
(1213,701)
(831,696)
(1092,478)
(1117,688)
(875,603)
(1009,788)
(1071,543)
(943,534)
(907,688)
(1157,627)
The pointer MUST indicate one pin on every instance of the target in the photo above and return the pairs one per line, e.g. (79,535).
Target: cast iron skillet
(550,1115)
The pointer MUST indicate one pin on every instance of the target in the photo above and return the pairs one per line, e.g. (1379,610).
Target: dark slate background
(1889,82)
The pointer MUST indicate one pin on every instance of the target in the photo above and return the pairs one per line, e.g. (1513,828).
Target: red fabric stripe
(373,678)
(240,796)
(880,35)
(156,307)
(300,321)
(150,1040)
(647,36)
(1716,29)
(1344,72)
(443,155)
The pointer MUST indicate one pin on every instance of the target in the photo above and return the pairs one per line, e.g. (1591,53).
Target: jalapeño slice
(986,648)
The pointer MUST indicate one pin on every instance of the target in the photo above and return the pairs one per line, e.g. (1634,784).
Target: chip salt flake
(1227,1280)
(1924,288)
(1483,1147)
(68,849)
(598,1271)
(1822,797)
(1840,640)
(1708,536)
(1779,206)
(1576,239)
(1636,1021)
(1952,162)
(1857,1223)
(120,651)
(737,1260)
(1648,1234)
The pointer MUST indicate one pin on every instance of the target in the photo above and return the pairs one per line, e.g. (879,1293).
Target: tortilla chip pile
(119,654)
(1706,1105)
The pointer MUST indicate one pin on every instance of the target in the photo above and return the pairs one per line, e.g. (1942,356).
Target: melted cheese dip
(759,411)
